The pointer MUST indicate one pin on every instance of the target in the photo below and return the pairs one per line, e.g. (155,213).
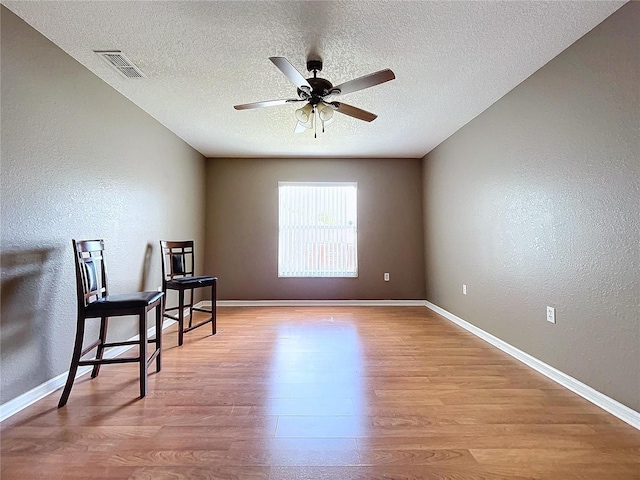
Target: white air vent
(120,63)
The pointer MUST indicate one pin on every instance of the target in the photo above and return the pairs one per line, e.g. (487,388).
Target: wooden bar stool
(178,274)
(94,301)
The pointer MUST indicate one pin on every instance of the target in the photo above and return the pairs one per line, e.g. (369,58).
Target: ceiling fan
(318,93)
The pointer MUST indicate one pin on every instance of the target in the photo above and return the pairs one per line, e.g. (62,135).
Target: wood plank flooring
(322,394)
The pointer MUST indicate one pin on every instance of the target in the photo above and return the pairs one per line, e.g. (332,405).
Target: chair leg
(213,307)
(159,320)
(190,308)
(75,360)
(164,300)
(143,351)
(180,317)
(103,338)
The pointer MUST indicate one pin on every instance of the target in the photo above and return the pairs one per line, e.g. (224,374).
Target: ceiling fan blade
(291,73)
(299,127)
(354,112)
(361,83)
(269,103)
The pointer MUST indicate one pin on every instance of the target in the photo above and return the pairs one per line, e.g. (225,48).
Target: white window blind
(318,234)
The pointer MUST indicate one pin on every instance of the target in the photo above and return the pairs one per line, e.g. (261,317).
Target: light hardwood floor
(322,393)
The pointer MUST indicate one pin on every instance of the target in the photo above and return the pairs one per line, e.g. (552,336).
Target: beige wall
(242,228)
(535,203)
(78,161)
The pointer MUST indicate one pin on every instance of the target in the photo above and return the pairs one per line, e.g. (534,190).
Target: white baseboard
(317,303)
(612,406)
(21,402)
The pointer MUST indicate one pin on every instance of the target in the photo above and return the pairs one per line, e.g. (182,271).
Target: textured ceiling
(452,60)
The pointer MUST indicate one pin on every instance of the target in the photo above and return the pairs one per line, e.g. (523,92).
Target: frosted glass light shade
(304,114)
(325,112)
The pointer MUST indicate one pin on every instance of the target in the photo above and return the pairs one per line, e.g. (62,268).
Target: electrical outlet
(551,314)
(464,289)
(386,277)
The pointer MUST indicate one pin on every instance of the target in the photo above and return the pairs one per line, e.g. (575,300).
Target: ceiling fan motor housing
(320,87)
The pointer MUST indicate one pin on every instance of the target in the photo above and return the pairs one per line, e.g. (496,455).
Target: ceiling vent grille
(120,63)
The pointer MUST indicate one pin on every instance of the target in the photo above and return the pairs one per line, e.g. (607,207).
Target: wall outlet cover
(551,314)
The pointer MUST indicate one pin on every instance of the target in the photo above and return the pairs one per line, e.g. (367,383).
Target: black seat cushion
(190,282)
(123,301)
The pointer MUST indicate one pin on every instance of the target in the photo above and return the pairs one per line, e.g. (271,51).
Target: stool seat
(121,301)
(191,282)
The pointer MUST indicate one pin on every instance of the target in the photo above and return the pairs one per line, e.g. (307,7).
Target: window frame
(341,275)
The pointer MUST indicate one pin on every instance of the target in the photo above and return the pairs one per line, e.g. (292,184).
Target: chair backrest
(177,259)
(91,275)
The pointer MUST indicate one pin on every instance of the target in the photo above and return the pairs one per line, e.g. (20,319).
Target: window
(318,234)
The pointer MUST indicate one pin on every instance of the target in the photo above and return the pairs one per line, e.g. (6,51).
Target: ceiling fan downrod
(314,66)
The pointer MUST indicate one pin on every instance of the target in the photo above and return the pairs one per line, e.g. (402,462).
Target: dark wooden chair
(178,274)
(94,301)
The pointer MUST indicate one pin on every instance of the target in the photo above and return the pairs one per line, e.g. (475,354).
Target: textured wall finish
(242,228)
(78,161)
(535,203)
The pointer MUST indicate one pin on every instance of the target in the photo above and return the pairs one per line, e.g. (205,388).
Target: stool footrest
(128,342)
(188,329)
(105,361)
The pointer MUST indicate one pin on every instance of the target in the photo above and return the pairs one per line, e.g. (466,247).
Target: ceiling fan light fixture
(325,112)
(305,114)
